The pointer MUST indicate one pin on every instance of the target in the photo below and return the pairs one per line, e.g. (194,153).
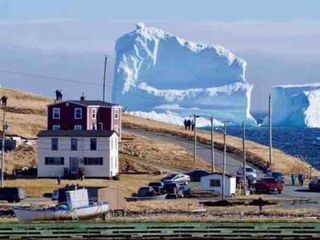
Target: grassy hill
(27,115)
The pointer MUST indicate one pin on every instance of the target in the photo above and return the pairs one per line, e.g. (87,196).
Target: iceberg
(296,106)
(160,73)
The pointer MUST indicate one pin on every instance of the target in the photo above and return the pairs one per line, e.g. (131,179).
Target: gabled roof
(75,133)
(89,103)
(220,173)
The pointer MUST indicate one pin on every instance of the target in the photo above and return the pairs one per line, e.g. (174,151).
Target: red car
(268,185)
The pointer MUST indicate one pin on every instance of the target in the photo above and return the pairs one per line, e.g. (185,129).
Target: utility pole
(212,146)
(224,161)
(4,105)
(270,130)
(104,77)
(195,138)
(244,157)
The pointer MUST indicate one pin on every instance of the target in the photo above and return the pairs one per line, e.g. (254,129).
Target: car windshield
(249,170)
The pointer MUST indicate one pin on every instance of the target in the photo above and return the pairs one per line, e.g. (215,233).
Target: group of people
(188,124)
(300,179)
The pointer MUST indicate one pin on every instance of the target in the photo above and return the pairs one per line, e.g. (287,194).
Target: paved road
(233,162)
(203,151)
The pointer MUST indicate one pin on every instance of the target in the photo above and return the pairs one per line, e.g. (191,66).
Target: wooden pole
(104,78)
(224,162)
(244,157)
(212,146)
(270,130)
(195,138)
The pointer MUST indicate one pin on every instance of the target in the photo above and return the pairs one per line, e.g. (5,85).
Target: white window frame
(54,112)
(56,127)
(116,113)
(94,113)
(75,113)
(77,127)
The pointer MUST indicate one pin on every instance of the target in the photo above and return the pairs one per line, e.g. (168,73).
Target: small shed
(213,182)
(113,196)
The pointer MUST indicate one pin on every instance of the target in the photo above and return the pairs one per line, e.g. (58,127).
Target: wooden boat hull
(27,214)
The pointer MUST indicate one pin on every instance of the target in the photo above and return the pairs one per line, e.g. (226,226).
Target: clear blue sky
(172,10)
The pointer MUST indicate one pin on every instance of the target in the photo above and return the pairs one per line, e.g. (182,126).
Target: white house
(213,182)
(91,153)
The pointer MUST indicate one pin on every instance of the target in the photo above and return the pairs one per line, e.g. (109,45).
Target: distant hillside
(26,112)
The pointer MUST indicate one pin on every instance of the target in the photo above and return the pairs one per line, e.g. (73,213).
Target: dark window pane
(93,144)
(54,144)
(74,144)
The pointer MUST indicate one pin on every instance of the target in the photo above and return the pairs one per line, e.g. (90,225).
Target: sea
(300,142)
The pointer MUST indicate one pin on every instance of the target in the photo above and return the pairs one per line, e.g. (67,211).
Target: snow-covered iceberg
(156,71)
(296,105)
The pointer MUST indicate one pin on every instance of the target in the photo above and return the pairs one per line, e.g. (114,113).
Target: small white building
(93,153)
(213,182)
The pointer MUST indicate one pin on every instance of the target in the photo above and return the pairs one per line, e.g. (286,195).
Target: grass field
(37,187)
(27,115)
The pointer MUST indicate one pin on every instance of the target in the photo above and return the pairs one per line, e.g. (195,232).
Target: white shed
(213,182)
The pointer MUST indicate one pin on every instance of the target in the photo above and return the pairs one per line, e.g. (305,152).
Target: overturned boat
(76,207)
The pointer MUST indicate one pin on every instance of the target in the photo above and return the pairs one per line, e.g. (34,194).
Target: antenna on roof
(104,78)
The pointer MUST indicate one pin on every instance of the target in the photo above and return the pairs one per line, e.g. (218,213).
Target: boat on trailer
(76,207)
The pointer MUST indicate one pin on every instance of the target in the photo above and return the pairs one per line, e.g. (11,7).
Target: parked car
(12,194)
(195,175)
(314,184)
(268,185)
(173,189)
(55,195)
(250,172)
(157,186)
(277,175)
(145,192)
(178,178)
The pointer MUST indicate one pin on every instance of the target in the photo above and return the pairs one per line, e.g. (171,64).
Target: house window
(93,144)
(215,183)
(74,144)
(94,113)
(77,127)
(116,113)
(100,125)
(93,161)
(54,161)
(78,113)
(54,144)
(56,113)
(56,127)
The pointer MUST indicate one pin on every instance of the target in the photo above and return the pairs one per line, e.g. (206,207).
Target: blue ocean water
(301,142)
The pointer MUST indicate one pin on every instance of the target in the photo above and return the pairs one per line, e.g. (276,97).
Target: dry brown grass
(256,153)
(127,183)
(22,156)
(26,113)
(27,117)
(161,154)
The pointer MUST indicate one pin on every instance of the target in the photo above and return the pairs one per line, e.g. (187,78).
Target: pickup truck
(268,185)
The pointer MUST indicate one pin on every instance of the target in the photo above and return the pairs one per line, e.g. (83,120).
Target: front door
(74,166)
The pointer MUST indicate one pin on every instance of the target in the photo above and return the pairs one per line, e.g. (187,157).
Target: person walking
(192,125)
(188,124)
(299,179)
(302,179)
(185,124)
(293,179)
